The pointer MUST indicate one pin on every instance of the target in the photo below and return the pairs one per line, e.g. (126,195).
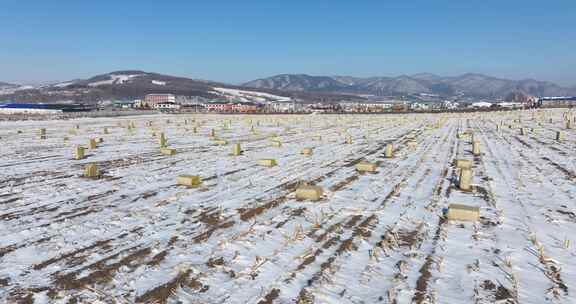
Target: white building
(282,106)
(167,106)
(152,99)
(41,108)
(367,107)
(481,104)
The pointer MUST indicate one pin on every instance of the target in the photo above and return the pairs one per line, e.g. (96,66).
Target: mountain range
(134,84)
(471,85)
(4,85)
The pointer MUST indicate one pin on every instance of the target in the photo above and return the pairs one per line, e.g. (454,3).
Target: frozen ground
(134,236)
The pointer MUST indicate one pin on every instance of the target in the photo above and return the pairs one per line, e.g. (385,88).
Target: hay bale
(92,144)
(307,151)
(523,131)
(189,180)
(459,212)
(162,140)
(236,150)
(79,152)
(389,153)
(366,167)
(267,162)
(476,148)
(559,136)
(312,193)
(465,179)
(91,170)
(168,151)
(463,164)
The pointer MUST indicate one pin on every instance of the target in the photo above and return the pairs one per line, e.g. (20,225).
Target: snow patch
(64,84)
(158,82)
(12,90)
(243,95)
(114,79)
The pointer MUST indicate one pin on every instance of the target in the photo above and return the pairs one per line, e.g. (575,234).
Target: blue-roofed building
(568,101)
(41,108)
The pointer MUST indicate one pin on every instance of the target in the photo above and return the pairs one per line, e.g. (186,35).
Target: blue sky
(236,41)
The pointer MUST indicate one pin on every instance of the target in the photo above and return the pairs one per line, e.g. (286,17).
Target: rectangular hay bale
(463,164)
(189,180)
(91,170)
(307,151)
(312,193)
(79,152)
(267,162)
(168,151)
(236,150)
(366,167)
(92,143)
(459,212)
(559,135)
(465,180)
(476,148)
(389,152)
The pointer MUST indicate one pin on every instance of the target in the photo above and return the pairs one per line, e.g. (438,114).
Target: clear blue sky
(236,41)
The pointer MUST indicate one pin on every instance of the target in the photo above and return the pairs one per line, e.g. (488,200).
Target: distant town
(171,103)
(139,92)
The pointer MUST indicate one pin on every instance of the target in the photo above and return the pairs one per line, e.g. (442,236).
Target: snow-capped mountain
(134,84)
(474,85)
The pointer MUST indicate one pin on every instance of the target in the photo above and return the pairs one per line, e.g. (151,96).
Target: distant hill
(472,85)
(7,85)
(302,83)
(133,84)
(10,88)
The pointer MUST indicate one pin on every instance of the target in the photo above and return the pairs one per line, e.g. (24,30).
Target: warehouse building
(557,102)
(151,100)
(41,108)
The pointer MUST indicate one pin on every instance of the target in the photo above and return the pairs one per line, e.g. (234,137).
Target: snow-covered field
(134,236)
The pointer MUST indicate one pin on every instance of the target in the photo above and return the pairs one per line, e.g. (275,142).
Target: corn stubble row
(463,167)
